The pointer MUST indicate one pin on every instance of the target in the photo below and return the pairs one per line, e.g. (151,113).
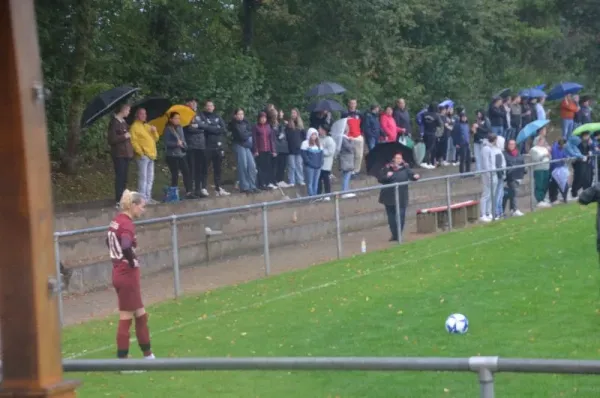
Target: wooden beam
(29,324)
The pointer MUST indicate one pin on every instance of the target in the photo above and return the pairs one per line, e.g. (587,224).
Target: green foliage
(422,50)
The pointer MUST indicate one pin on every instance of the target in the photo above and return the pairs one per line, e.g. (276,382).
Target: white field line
(318,287)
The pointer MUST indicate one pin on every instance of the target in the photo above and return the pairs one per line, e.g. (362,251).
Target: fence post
(175,245)
(397,215)
(486,383)
(338,227)
(265,221)
(493,194)
(531,188)
(59,279)
(449,203)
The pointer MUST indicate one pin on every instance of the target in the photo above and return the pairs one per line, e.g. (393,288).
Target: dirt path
(159,287)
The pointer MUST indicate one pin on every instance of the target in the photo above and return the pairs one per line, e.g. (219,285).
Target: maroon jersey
(121,241)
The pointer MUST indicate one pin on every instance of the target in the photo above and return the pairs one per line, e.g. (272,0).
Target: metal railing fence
(264,207)
(485,367)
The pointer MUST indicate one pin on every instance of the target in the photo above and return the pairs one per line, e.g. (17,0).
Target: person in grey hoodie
(489,179)
(176,147)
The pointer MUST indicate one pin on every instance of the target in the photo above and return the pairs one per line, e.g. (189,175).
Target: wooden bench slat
(445,208)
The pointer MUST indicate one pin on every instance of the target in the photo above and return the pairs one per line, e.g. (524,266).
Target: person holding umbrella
(143,139)
(396,171)
(121,149)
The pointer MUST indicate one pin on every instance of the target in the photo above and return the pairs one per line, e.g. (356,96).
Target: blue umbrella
(530,130)
(525,93)
(449,103)
(561,90)
(540,87)
(536,93)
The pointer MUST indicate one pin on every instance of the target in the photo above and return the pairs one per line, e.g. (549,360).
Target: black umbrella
(505,93)
(325,88)
(105,103)
(383,153)
(155,107)
(325,105)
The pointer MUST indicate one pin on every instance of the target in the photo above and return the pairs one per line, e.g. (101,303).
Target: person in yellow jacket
(143,139)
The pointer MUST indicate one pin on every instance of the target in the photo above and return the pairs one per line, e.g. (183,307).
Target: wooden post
(29,325)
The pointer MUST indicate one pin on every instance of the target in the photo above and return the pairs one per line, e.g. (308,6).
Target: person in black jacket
(497,116)
(196,148)
(432,123)
(402,117)
(395,172)
(514,177)
(241,133)
(589,195)
(214,130)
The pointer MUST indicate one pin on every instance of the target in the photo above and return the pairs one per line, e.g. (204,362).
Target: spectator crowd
(279,150)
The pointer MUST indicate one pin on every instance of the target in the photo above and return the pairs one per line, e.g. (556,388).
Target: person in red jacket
(122,242)
(388,125)
(568,108)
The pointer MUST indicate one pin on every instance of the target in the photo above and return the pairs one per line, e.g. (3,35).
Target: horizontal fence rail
(174,220)
(485,367)
(305,199)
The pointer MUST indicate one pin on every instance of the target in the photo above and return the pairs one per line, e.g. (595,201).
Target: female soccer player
(121,241)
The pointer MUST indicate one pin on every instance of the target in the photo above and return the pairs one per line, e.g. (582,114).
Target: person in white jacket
(500,163)
(489,179)
(329,147)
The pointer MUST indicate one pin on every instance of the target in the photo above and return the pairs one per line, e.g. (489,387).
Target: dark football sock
(143,334)
(123,338)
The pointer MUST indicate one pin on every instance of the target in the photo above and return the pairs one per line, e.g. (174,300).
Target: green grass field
(529,287)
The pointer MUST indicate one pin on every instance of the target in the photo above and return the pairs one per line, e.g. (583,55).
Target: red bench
(433,219)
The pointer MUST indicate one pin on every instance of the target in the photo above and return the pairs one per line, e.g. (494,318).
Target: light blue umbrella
(530,130)
(536,93)
(563,89)
(540,87)
(447,103)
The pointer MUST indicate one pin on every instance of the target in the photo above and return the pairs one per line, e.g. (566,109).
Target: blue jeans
(567,128)
(145,176)
(371,142)
(295,166)
(312,180)
(246,168)
(498,130)
(499,197)
(346,177)
(391,216)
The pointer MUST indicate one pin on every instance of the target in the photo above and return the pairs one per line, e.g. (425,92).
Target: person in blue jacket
(461,136)
(312,157)
(372,127)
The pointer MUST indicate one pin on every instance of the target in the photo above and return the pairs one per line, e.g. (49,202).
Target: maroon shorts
(127,285)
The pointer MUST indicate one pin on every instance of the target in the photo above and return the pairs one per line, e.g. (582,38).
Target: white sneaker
(424,165)
(517,213)
(431,166)
(348,195)
(271,186)
(327,199)
(571,198)
(282,184)
(302,184)
(485,219)
(456,164)
(555,203)
(204,192)
(444,163)
(222,192)
(544,205)
(151,356)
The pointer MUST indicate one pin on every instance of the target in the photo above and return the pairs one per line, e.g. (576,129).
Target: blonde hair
(130,198)
(298,123)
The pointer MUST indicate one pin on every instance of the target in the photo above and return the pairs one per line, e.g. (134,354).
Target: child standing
(312,157)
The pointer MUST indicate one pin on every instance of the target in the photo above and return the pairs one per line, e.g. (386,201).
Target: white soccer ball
(457,324)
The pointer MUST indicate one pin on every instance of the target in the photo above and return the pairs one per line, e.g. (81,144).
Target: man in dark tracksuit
(195,154)
(214,130)
(590,195)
